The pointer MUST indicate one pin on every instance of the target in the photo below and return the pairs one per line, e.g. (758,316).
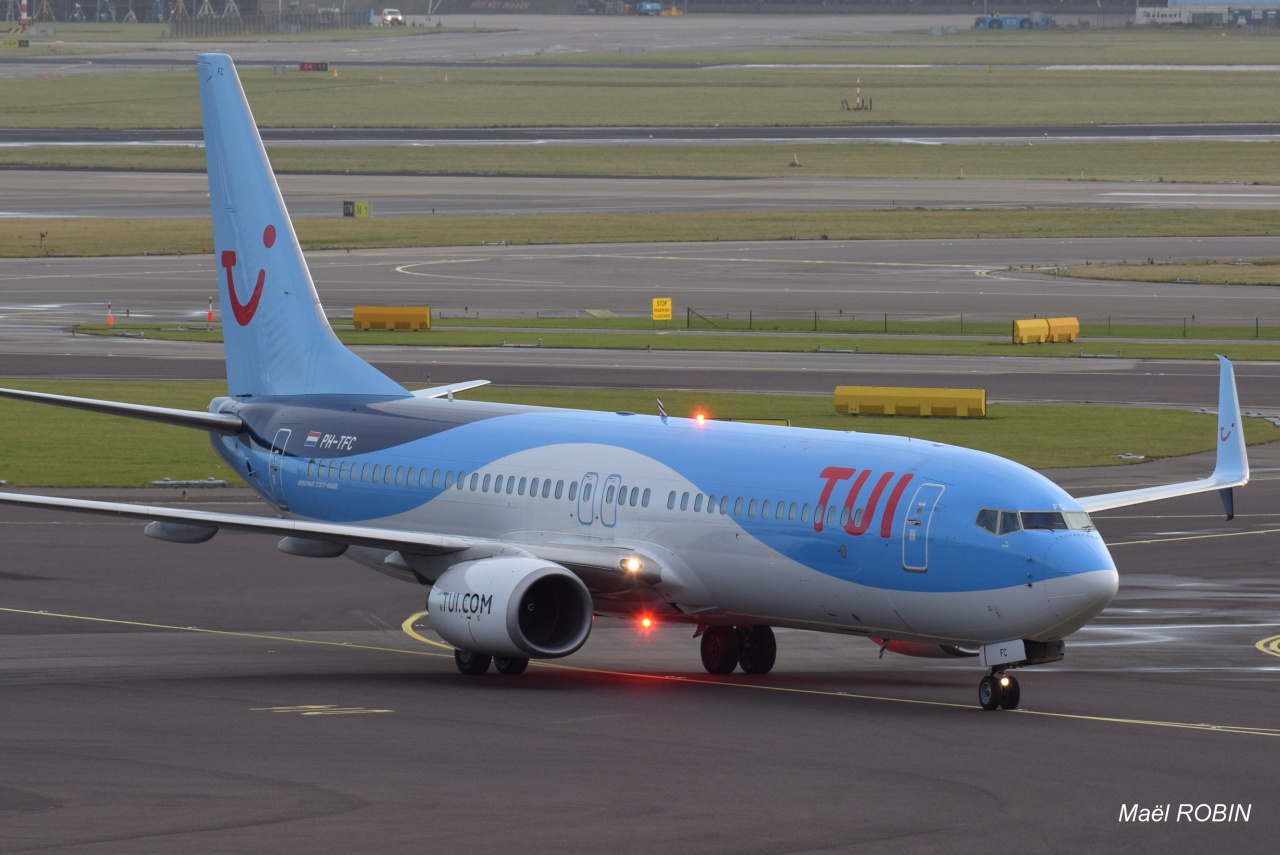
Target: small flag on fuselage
(312,438)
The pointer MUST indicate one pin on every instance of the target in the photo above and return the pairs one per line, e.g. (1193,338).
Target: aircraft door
(275,464)
(609,501)
(915,533)
(586,499)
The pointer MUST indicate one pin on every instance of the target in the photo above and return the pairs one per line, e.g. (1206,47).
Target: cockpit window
(1057,520)
(1078,520)
(1009,522)
(989,520)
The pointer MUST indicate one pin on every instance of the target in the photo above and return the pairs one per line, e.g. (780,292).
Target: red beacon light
(700,417)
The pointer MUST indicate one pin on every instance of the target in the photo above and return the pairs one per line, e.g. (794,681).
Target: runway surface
(985,280)
(168,195)
(162,698)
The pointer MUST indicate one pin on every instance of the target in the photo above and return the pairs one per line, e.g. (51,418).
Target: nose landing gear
(999,690)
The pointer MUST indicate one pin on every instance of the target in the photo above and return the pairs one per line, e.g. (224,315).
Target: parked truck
(1034,21)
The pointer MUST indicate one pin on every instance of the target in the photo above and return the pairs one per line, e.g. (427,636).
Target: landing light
(1004,682)
(632,564)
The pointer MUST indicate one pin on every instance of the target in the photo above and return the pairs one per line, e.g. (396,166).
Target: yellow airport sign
(662,308)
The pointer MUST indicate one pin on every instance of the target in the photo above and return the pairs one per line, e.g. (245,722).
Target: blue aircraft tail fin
(277,339)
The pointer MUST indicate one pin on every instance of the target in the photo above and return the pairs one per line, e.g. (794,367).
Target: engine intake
(521,607)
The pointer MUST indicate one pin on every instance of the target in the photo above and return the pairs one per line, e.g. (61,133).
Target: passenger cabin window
(644,498)
(671,500)
(573,490)
(684,501)
(560,489)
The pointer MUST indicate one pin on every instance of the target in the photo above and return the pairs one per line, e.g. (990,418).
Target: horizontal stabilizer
(449,390)
(1231,468)
(215,422)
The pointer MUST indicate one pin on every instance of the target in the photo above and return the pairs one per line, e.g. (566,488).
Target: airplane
(526,522)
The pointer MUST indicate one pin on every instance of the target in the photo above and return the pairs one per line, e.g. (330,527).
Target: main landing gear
(998,690)
(725,648)
(475,664)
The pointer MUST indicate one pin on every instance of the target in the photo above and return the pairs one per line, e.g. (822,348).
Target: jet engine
(517,607)
(928,651)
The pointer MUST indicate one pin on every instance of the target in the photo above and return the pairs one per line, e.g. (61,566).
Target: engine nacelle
(919,648)
(519,607)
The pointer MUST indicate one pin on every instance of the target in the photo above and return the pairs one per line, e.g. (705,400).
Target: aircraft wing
(216,422)
(599,567)
(201,525)
(1230,470)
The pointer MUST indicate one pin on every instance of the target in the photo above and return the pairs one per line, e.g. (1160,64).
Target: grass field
(1235,162)
(1259,271)
(1151,46)
(752,96)
(126,236)
(68,448)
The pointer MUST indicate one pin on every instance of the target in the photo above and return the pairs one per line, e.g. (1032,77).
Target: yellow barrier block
(392,318)
(1046,329)
(908,401)
(1030,332)
(1064,329)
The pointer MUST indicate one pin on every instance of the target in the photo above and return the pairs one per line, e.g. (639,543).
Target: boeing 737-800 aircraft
(525,522)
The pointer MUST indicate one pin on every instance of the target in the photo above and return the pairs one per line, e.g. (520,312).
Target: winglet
(1233,461)
(1231,468)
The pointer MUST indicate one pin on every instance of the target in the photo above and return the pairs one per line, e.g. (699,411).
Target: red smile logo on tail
(244,312)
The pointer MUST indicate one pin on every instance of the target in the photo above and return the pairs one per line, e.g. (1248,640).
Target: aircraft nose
(1081,578)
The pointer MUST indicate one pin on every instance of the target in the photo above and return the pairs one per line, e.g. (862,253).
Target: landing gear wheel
(720,647)
(471,664)
(511,666)
(989,693)
(1010,694)
(758,649)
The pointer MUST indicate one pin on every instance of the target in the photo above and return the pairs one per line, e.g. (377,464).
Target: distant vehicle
(392,18)
(649,8)
(1034,21)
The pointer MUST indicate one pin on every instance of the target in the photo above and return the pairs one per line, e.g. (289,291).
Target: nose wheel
(999,691)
